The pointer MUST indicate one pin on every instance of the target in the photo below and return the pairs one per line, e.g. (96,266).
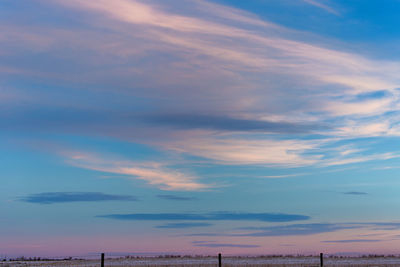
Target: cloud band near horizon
(213,216)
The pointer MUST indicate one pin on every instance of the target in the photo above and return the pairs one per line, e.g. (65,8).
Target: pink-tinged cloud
(256,50)
(236,151)
(204,69)
(153,173)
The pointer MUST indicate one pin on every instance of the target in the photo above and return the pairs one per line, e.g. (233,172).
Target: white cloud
(242,151)
(362,108)
(261,49)
(322,6)
(359,159)
(218,60)
(364,129)
(153,173)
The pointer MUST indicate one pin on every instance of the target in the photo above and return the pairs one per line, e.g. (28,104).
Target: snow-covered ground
(212,261)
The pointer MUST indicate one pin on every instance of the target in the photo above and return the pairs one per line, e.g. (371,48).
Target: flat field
(212,261)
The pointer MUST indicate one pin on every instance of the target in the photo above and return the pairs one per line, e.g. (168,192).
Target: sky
(199,127)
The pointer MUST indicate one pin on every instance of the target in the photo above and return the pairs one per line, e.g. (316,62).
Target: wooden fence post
(102,259)
(321,259)
(219,260)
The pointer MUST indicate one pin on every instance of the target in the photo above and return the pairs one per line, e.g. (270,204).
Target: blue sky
(198,127)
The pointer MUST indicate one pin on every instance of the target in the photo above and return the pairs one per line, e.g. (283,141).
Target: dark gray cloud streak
(183,225)
(62,197)
(225,123)
(353,241)
(355,193)
(306,229)
(315,228)
(175,197)
(385,226)
(83,120)
(215,216)
(295,229)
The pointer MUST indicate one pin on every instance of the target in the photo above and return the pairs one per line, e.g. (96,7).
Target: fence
(321,259)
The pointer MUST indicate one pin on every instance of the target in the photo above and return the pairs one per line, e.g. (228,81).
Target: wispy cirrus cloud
(212,53)
(322,5)
(64,197)
(154,173)
(245,151)
(349,74)
(361,158)
(332,64)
